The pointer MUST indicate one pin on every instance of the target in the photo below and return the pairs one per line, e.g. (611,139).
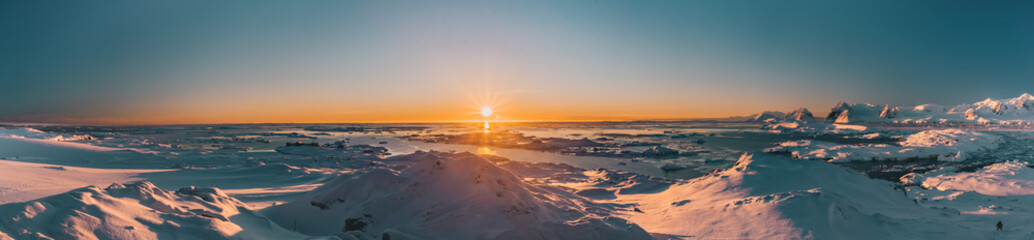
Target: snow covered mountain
(995,111)
(801,115)
(763,116)
(1017,110)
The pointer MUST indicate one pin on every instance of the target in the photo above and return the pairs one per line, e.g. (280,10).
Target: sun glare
(485,150)
(486,111)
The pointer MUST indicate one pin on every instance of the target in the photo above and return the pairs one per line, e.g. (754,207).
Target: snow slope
(999,179)
(21,181)
(136,211)
(979,199)
(36,148)
(446,195)
(595,184)
(766,196)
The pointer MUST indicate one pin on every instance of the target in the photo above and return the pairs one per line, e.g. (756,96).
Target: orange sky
(200,111)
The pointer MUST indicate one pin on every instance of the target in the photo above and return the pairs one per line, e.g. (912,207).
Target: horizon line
(731,118)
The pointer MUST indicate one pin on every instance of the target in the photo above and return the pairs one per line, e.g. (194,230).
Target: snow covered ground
(999,179)
(447,195)
(23,181)
(774,197)
(136,211)
(247,182)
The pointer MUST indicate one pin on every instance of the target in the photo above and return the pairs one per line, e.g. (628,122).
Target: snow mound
(999,179)
(767,196)
(965,140)
(445,195)
(135,211)
(940,144)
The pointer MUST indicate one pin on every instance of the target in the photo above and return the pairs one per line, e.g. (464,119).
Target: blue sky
(345,61)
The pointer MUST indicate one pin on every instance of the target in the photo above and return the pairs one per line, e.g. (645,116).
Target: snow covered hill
(446,195)
(999,179)
(136,211)
(766,196)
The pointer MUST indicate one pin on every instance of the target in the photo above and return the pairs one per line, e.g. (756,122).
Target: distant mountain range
(1017,110)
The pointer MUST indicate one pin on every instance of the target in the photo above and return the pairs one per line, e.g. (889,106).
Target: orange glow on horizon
(316,116)
(501,107)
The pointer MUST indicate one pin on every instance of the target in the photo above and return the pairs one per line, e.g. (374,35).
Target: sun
(486,111)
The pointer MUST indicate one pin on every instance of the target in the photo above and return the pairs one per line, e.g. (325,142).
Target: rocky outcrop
(889,112)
